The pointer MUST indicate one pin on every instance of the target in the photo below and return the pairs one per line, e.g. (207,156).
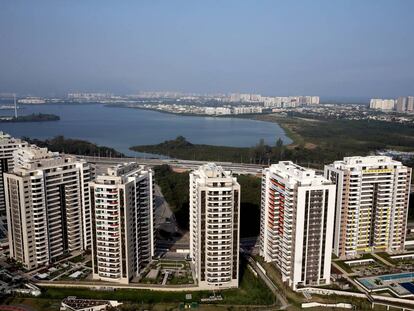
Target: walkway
(269,283)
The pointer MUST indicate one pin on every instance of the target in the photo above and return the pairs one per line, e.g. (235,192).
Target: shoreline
(251,116)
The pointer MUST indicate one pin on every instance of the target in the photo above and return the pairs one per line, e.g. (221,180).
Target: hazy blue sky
(355,48)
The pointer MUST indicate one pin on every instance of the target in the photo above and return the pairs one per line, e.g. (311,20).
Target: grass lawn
(252,291)
(368,256)
(387,258)
(33,303)
(344,266)
(294,298)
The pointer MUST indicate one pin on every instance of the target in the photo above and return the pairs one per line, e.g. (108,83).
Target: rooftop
(211,170)
(120,173)
(33,158)
(7,139)
(297,174)
(84,304)
(370,161)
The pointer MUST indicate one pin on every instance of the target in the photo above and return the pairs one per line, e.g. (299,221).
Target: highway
(237,168)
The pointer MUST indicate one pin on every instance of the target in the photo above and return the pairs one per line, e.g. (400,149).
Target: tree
(279,143)
(278,150)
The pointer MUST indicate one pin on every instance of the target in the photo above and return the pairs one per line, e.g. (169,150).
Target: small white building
(76,304)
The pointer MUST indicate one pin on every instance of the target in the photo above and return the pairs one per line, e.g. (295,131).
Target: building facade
(123,226)
(371,206)
(214,227)
(48,206)
(382,104)
(401,104)
(7,146)
(296,223)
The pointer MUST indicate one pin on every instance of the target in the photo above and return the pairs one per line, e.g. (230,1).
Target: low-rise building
(72,303)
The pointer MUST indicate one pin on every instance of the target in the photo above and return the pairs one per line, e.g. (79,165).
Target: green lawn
(251,291)
(387,258)
(344,266)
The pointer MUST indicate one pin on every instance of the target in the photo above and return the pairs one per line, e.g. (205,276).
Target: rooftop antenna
(15,106)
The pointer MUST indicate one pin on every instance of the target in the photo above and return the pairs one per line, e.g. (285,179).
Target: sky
(331,48)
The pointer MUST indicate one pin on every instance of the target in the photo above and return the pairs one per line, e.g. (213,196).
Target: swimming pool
(401,284)
(391,277)
(408,286)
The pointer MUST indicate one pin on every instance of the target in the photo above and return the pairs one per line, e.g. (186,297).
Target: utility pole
(15,105)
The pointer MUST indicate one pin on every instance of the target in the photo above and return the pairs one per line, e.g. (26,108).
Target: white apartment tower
(371,206)
(296,223)
(48,206)
(214,227)
(122,209)
(382,104)
(7,145)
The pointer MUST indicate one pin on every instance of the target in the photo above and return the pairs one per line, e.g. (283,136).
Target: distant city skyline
(353,50)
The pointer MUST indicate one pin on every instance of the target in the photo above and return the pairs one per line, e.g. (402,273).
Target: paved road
(237,168)
(163,216)
(275,290)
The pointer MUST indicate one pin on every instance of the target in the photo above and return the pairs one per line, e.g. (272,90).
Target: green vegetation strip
(34,117)
(74,146)
(252,291)
(175,187)
(316,142)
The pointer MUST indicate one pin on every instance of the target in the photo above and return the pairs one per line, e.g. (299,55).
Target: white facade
(382,104)
(296,223)
(48,206)
(410,103)
(372,205)
(217,110)
(31,100)
(214,227)
(247,109)
(123,226)
(7,146)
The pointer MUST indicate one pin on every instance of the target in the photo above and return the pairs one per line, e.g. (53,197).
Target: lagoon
(121,128)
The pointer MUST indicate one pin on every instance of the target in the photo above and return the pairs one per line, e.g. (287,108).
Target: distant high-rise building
(123,226)
(48,206)
(382,104)
(8,145)
(315,100)
(410,103)
(214,227)
(235,97)
(401,105)
(371,205)
(89,96)
(296,223)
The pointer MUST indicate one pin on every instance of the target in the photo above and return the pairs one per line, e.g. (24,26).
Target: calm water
(122,128)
